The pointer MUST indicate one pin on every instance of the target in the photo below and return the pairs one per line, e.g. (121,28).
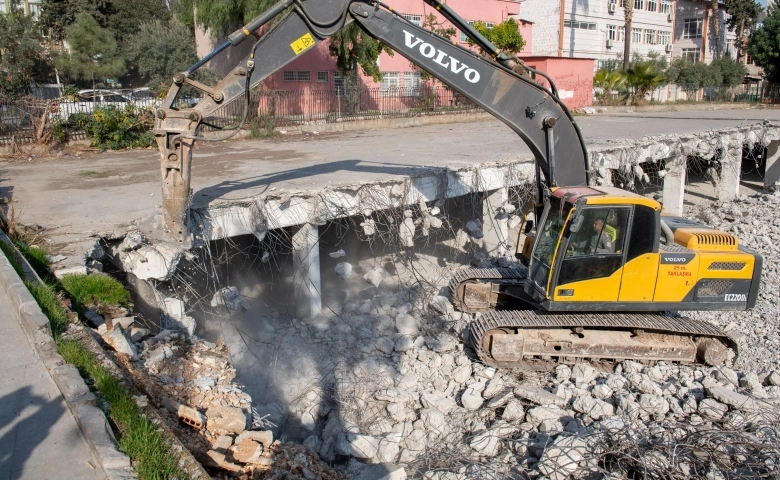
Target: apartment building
(596,28)
(694,35)
(30,7)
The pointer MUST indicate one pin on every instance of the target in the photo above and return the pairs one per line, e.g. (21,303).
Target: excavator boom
(534,112)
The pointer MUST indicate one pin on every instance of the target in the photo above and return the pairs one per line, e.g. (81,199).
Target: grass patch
(88,173)
(36,256)
(138,437)
(95,289)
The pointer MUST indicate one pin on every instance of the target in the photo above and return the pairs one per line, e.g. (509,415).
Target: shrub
(113,128)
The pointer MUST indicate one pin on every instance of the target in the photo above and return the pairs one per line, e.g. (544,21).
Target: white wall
(545,15)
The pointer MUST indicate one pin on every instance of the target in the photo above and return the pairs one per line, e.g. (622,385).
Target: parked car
(86,101)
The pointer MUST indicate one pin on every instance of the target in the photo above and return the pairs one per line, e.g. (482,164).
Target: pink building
(316,69)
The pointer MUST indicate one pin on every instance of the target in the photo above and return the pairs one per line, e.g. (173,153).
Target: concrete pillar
(674,185)
(730,173)
(306,280)
(772,171)
(494,222)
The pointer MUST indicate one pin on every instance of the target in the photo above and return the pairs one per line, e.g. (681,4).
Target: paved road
(39,438)
(74,195)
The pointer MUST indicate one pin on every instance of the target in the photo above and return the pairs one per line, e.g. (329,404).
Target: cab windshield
(547,240)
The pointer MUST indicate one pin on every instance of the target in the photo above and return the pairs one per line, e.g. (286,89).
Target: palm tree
(609,82)
(628,7)
(643,78)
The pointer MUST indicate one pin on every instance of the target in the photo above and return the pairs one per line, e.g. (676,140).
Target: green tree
(730,71)
(352,47)
(609,81)
(643,78)
(765,45)
(505,35)
(691,76)
(93,52)
(22,59)
(432,24)
(743,15)
(160,49)
(57,15)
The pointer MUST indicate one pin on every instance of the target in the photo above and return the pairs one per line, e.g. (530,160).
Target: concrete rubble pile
(193,380)
(400,393)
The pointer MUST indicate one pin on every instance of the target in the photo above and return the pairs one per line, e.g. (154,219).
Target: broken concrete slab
(225,420)
(539,396)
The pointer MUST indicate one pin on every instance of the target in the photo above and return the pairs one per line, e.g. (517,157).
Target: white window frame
(413,19)
(693,28)
(621,33)
(664,38)
(639,4)
(666,7)
(338,84)
(652,5)
(651,37)
(691,54)
(576,24)
(464,38)
(636,35)
(389,84)
(412,82)
(612,32)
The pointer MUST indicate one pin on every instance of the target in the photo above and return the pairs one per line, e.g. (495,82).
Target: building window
(389,85)
(621,33)
(666,6)
(322,77)
(692,27)
(414,19)
(636,35)
(650,37)
(338,84)
(691,54)
(579,25)
(464,38)
(296,76)
(639,4)
(652,5)
(664,38)
(611,32)
(412,83)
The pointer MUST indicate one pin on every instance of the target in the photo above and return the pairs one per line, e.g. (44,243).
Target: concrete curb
(678,107)
(80,400)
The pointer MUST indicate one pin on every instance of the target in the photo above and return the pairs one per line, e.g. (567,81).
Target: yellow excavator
(603,265)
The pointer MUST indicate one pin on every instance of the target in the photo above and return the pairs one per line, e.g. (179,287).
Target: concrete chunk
(733,399)
(562,458)
(539,396)
(119,342)
(358,446)
(225,420)
(247,451)
(265,437)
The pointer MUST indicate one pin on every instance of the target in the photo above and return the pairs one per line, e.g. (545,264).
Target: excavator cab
(603,249)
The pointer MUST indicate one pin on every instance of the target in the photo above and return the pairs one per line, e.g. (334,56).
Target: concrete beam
(306,280)
(674,185)
(772,162)
(495,222)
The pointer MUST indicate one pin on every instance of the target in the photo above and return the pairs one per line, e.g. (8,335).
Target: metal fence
(26,120)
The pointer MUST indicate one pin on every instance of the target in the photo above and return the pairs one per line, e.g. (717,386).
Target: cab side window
(596,250)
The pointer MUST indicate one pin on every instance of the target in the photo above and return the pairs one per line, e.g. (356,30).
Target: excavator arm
(534,112)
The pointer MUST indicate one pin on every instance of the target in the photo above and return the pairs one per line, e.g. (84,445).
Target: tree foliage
(643,78)
(160,49)
(22,59)
(352,47)
(765,45)
(93,52)
(121,16)
(730,72)
(505,35)
(691,76)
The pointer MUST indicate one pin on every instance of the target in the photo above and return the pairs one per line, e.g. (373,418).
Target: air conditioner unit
(610,43)
(612,7)
(670,17)
(669,48)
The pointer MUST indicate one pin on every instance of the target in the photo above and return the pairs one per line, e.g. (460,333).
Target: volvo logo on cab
(429,51)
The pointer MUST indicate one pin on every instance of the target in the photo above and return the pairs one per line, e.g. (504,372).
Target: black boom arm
(535,113)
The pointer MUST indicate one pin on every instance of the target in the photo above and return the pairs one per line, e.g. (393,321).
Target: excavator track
(536,339)
(520,338)
(471,294)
